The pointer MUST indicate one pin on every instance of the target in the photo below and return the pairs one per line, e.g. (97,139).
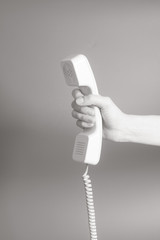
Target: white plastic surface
(77,72)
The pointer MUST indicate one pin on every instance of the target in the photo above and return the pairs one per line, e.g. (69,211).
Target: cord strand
(90,205)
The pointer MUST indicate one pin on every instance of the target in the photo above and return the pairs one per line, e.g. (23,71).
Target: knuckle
(89,119)
(108,100)
(82,117)
(88,111)
(84,110)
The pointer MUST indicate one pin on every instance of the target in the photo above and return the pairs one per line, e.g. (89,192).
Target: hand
(113,117)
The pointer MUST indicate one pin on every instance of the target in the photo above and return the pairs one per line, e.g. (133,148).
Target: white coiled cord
(90,205)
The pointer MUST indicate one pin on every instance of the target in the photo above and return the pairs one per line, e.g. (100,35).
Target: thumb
(96,100)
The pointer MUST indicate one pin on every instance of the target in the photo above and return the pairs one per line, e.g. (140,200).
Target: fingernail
(80,100)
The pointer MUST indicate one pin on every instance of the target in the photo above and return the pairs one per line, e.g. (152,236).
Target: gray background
(41,190)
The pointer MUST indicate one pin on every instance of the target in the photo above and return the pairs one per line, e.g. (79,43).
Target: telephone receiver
(87,147)
(77,72)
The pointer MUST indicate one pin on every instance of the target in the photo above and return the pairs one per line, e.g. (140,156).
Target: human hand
(113,117)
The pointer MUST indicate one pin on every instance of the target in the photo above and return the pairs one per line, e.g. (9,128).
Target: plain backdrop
(41,189)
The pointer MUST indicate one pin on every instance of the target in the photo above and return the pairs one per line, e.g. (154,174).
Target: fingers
(90,100)
(84,124)
(85,110)
(96,100)
(76,93)
(85,115)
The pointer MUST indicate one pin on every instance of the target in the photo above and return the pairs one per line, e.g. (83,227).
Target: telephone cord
(90,205)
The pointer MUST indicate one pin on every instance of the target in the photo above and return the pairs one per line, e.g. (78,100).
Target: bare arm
(143,129)
(117,126)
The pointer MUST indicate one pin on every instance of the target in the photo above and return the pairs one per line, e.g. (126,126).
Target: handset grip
(92,137)
(77,72)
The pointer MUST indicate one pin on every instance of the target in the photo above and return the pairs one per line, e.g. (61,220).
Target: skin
(117,125)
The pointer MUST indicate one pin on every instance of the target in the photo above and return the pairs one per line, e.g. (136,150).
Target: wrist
(120,132)
(125,131)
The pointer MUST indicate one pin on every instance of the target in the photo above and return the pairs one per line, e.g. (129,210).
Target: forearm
(117,126)
(142,129)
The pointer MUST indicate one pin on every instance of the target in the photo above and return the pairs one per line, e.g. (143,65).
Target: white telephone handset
(78,72)
(87,147)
